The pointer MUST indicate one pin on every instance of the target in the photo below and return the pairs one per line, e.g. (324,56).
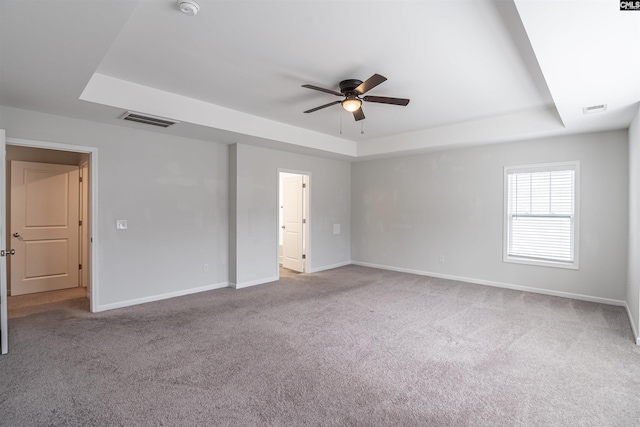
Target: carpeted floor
(351,346)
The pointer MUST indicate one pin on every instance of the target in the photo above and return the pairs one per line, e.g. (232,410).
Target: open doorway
(294,221)
(48,221)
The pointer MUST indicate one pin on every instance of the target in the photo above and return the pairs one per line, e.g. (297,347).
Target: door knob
(16,234)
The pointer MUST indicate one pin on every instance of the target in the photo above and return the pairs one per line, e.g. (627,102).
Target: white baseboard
(252,283)
(168,295)
(329,267)
(550,292)
(634,328)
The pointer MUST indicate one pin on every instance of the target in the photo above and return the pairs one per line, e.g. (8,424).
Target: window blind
(541,215)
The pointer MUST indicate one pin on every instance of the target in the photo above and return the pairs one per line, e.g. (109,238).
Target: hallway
(25,305)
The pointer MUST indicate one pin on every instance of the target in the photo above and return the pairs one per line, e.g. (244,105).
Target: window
(541,214)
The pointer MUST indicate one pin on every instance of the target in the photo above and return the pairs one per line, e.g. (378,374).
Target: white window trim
(541,167)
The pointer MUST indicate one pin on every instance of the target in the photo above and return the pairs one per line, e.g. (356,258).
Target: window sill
(570,266)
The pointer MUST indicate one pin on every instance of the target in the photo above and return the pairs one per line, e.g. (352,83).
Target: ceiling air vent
(594,109)
(148,119)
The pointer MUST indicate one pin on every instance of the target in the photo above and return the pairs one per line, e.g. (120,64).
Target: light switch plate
(121,224)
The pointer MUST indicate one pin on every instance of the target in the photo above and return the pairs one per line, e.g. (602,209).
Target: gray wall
(408,211)
(405,212)
(633,290)
(173,192)
(256,207)
(28,154)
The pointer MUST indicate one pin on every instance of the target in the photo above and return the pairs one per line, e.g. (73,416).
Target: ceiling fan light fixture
(352,90)
(351,104)
(189,7)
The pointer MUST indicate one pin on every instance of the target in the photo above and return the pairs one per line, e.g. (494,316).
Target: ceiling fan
(351,90)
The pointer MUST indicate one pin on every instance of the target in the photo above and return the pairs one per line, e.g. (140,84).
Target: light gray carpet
(351,346)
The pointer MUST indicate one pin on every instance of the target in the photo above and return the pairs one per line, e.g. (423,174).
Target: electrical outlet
(205,268)
(441,258)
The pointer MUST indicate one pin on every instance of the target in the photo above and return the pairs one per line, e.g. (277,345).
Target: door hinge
(304,256)
(304,185)
(304,220)
(79,266)
(80,179)
(80,223)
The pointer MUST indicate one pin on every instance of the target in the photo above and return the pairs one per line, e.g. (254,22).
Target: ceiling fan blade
(358,114)
(386,100)
(371,82)
(333,92)
(323,106)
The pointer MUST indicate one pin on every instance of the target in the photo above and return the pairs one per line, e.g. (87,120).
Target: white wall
(408,211)
(173,192)
(256,234)
(633,289)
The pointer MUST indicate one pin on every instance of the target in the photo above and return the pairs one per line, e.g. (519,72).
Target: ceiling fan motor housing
(348,87)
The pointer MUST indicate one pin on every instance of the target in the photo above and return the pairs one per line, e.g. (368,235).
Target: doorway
(88,169)
(294,220)
(64,265)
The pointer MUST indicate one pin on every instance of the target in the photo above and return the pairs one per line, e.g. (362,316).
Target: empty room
(325,213)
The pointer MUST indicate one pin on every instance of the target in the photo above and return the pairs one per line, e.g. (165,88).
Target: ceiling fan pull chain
(340,122)
(361,127)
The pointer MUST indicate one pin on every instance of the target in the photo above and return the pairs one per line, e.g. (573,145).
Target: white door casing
(84,229)
(292,219)
(44,227)
(4,324)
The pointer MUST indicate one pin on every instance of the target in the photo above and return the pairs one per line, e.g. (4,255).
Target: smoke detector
(189,7)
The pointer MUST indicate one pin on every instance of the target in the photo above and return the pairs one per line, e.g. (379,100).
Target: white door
(292,223)
(44,227)
(4,326)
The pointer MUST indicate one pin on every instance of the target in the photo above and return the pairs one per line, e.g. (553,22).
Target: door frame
(92,251)
(307,215)
(4,323)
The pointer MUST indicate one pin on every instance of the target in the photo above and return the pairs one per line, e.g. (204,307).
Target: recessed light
(189,7)
(594,109)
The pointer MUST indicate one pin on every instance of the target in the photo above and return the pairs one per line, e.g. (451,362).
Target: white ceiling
(477,71)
